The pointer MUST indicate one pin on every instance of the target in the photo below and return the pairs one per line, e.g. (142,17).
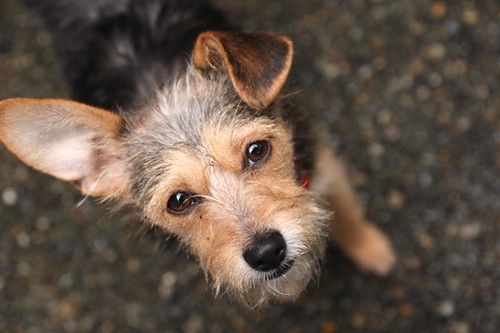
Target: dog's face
(203,160)
(229,191)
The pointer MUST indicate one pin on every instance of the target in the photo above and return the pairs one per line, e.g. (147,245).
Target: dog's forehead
(215,143)
(179,111)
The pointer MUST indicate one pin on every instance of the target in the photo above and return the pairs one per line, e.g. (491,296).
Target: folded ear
(257,63)
(71,141)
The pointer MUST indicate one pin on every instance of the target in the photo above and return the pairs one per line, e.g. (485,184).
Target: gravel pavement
(409,89)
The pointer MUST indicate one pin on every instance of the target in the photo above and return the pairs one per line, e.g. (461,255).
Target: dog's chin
(261,289)
(284,284)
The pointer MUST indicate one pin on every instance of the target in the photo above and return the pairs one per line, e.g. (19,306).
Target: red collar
(306,181)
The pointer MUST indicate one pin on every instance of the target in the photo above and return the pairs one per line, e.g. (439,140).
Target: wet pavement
(409,90)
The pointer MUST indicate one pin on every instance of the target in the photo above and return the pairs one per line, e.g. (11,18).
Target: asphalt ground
(409,90)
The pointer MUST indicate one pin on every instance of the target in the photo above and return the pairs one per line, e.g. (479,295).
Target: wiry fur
(188,127)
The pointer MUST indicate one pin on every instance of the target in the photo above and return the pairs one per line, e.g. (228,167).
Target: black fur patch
(116,53)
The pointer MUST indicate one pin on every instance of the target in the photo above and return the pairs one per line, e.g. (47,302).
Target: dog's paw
(373,251)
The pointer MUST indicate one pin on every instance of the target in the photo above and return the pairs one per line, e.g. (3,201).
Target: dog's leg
(360,239)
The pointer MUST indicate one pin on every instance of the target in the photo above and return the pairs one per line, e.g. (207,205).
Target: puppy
(185,118)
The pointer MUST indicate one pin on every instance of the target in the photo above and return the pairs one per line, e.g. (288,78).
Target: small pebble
(23,240)
(329,70)
(358,321)
(416,66)
(376,150)
(435,80)
(470,16)
(417,28)
(454,283)
(406,309)
(435,51)
(423,93)
(426,241)
(463,124)
(446,308)
(425,179)
(459,327)
(392,133)
(452,27)
(9,196)
(438,9)
(413,263)
(133,265)
(395,200)
(379,63)
(65,281)
(66,308)
(42,223)
(193,324)
(470,231)
(384,117)
(133,312)
(365,72)
(328,327)
(167,284)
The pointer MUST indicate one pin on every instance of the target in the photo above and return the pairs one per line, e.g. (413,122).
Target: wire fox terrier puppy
(186,119)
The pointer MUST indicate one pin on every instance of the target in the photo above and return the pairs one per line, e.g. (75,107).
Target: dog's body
(199,136)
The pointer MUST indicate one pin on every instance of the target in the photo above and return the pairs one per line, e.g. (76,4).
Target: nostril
(267,251)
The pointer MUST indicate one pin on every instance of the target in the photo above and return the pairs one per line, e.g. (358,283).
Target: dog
(188,119)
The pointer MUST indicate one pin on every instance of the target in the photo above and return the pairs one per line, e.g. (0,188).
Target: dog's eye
(257,151)
(179,203)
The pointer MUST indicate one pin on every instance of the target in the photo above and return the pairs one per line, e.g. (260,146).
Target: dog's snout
(266,252)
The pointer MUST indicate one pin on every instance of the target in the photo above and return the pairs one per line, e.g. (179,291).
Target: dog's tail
(116,53)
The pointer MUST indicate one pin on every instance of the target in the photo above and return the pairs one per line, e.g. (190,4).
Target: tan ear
(71,141)
(257,63)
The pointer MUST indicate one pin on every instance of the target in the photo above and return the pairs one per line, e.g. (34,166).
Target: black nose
(267,251)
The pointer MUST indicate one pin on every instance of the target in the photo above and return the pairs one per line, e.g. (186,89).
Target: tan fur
(359,238)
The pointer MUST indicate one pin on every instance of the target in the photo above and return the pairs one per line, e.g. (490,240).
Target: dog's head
(209,159)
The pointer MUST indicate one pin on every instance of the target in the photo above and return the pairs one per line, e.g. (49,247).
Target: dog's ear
(71,141)
(257,63)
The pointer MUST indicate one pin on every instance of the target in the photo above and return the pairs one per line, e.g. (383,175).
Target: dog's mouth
(281,270)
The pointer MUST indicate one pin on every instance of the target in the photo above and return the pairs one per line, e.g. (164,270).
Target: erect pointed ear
(71,141)
(257,63)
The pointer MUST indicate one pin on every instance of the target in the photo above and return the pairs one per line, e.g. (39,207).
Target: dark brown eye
(179,203)
(257,151)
